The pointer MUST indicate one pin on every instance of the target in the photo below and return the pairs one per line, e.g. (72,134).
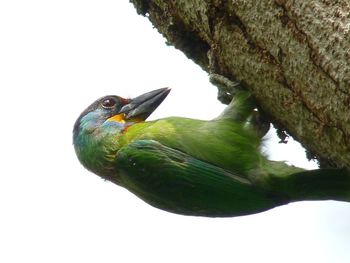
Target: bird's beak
(142,106)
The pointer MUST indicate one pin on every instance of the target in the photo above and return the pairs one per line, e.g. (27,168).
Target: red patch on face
(124,101)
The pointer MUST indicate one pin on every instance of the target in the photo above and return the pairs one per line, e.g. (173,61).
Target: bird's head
(98,126)
(114,111)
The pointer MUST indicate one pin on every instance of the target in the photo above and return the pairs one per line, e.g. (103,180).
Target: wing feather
(174,181)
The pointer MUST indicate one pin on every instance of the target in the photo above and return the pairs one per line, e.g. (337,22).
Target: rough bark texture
(294,56)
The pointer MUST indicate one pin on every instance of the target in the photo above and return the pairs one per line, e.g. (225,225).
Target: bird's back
(220,142)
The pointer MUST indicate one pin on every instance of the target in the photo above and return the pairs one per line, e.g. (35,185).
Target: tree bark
(294,56)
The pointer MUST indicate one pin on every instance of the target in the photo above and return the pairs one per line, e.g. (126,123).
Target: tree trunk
(294,56)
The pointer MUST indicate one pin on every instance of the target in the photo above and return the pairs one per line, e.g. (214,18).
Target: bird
(210,168)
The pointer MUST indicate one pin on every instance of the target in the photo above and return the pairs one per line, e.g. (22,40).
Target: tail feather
(302,185)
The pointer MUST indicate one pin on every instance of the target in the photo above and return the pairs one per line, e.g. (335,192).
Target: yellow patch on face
(121,119)
(117,118)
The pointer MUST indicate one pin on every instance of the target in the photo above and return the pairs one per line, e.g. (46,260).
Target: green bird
(194,167)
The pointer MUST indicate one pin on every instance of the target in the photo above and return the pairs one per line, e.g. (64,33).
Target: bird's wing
(174,181)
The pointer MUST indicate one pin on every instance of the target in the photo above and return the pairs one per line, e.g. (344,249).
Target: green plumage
(174,181)
(219,142)
(194,167)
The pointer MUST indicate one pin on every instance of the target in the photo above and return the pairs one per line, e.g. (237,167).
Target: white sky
(56,57)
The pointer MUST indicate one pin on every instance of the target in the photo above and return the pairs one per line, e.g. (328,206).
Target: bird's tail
(302,185)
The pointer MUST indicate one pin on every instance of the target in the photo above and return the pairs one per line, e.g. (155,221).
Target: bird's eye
(108,103)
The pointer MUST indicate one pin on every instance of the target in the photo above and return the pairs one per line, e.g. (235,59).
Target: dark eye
(109,103)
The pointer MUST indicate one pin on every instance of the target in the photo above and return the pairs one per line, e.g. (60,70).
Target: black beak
(143,106)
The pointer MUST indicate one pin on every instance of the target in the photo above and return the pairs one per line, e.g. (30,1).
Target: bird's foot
(226,87)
